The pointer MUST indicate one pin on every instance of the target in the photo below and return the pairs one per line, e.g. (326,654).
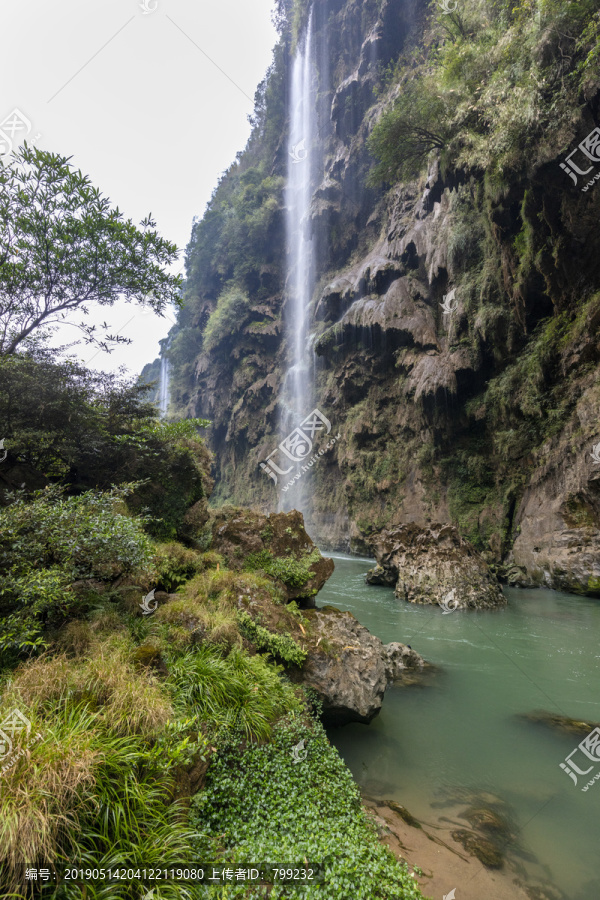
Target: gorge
(326,290)
(411,266)
(319,591)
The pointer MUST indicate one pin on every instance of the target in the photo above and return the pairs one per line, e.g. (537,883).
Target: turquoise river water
(461,731)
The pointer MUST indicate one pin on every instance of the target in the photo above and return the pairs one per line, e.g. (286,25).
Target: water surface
(461,730)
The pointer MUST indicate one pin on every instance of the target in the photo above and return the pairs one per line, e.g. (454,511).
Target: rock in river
(349,668)
(434,564)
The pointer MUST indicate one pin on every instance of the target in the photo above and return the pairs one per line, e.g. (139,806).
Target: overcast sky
(133,98)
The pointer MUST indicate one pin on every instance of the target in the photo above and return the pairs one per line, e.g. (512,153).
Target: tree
(417,123)
(62,248)
(66,425)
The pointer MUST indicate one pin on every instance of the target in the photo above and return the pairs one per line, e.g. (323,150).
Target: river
(460,730)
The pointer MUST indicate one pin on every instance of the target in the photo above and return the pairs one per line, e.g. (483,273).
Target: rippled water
(461,730)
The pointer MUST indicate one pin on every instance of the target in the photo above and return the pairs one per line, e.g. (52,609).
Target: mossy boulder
(275,544)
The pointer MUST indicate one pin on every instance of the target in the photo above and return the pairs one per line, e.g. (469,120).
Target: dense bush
(499,90)
(65,424)
(227,319)
(49,543)
(293,572)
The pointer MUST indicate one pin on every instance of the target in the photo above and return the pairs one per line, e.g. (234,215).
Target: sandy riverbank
(445,863)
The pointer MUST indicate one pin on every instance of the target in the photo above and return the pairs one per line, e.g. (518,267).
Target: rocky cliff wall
(455,315)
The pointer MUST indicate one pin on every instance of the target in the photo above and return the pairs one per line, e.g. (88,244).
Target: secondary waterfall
(163,387)
(301,268)
(297,398)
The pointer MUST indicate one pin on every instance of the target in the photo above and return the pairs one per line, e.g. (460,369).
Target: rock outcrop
(558,519)
(349,668)
(277,544)
(434,564)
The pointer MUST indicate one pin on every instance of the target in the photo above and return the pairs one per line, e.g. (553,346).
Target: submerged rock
(349,668)
(480,847)
(434,564)
(560,723)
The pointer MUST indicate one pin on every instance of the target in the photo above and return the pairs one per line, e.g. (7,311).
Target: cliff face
(455,315)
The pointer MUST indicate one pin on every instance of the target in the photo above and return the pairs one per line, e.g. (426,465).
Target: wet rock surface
(349,668)
(434,564)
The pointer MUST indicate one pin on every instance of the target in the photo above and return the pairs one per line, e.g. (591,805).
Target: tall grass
(236,689)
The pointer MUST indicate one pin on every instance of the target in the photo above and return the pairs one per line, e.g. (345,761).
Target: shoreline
(446,865)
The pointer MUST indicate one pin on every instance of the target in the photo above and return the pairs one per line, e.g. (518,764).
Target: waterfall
(163,394)
(300,253)
(297,398)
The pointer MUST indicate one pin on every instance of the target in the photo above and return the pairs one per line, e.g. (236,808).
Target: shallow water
(460,729)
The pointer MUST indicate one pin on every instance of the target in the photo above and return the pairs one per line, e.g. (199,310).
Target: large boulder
(275,544)
(434,564)
(349,668)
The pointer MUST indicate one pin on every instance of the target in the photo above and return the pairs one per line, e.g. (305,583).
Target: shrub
(85,536)
(292,571)
(281,646)
(47,544)
(233,307)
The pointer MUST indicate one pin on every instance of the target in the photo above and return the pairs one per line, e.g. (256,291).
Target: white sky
(141,110)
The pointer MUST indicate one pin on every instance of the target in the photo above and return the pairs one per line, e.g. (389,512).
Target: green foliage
(497,92)
(86,536)
(528,402)
(50,542)
(170,432)
(259,804)
(91,430)
(176,564)
(292,571)
(111,810)
(230,690)
(281,646)
(62,247)
(418,122)
(227,319)
(39,595)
